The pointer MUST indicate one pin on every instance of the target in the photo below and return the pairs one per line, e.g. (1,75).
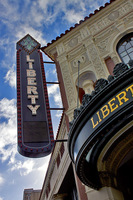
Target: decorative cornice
(77,24)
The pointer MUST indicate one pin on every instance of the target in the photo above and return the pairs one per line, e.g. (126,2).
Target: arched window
(125,48)
(86,83)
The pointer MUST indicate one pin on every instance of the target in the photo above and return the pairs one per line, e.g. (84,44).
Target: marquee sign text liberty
(113,105)
(32,86)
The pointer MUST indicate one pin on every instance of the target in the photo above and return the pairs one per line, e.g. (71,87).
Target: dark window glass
(125,48)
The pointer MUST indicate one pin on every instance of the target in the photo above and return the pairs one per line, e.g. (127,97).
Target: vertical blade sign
(35,132)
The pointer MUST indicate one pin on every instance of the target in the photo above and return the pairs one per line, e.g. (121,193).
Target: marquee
(35,132)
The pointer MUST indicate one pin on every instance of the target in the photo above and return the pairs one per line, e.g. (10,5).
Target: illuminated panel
(35,132)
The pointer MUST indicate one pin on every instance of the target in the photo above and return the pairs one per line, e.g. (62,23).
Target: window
(125,48)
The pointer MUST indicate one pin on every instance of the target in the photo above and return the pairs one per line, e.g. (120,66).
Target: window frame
(125,54)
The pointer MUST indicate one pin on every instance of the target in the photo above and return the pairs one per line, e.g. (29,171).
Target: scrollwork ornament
(86,99)
(110,78)
(100,84)
(119,69)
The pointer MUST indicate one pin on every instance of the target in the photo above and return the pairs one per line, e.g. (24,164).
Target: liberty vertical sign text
(32,86)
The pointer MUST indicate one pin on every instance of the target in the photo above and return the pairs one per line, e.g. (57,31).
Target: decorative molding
(128,19)
(96,62)
(84,60)
(103,35)
(84,32)
(114,15)
(125,8)
(73,42)
(68,84)
(103,46)
(72,54)
(111,17)
(62,58)
(60,49)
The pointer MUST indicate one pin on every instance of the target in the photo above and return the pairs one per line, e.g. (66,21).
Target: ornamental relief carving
(72,43)
(128,19)
(106,34)
(125,8)
(88,41)
(84,32)
(68,84)
(114,15)
(60,48)
(84,60)
(73,54)
(94,29)
(103,23)
(61,58)
(102,46)
(106,21)
(96,62)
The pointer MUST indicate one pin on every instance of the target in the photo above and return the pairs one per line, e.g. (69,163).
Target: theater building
(97,95)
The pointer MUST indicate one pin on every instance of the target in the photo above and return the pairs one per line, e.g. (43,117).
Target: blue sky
(44,20)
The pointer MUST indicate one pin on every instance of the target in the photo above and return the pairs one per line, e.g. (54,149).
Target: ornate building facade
(93,48)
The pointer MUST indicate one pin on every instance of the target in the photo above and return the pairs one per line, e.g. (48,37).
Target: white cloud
(8,108)
(58,113)
(25,167)
(23,20)
(43,4)
(30,166)
(11,77)
(53,91)
(1,180)
(57,98)
(8,129)
(73,17)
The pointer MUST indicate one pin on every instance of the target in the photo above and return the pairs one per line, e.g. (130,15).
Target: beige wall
(91,43)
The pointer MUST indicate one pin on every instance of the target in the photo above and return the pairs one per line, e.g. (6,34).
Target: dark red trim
(18,101)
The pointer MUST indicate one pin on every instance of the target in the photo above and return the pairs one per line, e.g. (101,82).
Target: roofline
(77,24)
